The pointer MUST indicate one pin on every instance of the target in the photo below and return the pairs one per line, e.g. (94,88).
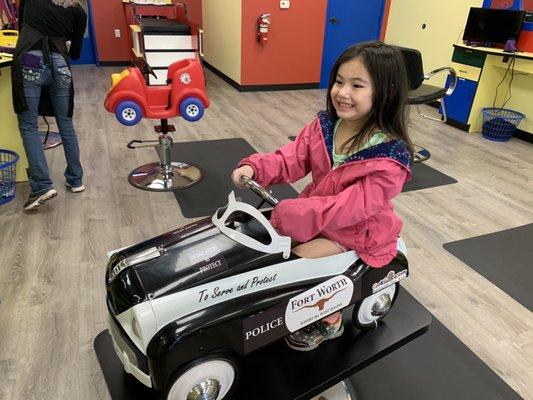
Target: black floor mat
(436,366)
(423,177)
(504,258)
(216,159)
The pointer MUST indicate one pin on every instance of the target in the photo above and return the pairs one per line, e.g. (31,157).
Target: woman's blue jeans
(59,90)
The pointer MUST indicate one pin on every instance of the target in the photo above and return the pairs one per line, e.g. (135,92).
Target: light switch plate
(284,3)
(117,32)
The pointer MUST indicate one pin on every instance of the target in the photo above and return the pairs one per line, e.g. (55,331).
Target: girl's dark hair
(386,67)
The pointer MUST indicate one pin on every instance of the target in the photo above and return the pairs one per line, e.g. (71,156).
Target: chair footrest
(159,128)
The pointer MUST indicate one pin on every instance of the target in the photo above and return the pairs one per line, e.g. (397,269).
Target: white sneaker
(75,189)
(37,200)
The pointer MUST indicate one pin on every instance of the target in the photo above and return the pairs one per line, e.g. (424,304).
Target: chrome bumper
(126,355)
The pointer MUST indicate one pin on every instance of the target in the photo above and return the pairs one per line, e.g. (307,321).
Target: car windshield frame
(278,243)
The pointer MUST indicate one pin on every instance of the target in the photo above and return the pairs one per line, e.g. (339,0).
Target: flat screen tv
(487,26)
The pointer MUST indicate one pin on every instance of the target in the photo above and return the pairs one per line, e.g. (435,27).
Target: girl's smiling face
(352,92)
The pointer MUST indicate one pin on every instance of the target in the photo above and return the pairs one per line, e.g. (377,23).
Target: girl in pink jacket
(359,154)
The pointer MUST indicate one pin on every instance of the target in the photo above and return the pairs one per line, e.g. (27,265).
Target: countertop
(5,60)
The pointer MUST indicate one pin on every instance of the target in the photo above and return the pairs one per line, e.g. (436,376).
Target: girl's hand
(245,170)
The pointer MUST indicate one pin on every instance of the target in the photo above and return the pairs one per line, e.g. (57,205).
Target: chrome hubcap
(206,390)
(382,305)
(128,114)
(193,110)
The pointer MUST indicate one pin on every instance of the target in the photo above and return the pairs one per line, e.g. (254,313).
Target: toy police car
(186,305)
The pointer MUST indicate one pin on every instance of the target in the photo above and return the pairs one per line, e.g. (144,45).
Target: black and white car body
(186,305)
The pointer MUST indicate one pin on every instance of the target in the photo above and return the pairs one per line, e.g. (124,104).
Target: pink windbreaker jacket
(350,204)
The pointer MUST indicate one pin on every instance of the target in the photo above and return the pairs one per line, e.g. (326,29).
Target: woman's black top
(55,21)
(46,26)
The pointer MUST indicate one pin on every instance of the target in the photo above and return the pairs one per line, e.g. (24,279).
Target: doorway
(88,53)
(348,22)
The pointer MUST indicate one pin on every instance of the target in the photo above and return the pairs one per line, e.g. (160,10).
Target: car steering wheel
(259,190)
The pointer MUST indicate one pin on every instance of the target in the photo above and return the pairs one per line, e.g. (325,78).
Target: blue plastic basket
(8,163)
(500,124)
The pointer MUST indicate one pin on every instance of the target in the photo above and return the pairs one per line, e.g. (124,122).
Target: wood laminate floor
(52,261)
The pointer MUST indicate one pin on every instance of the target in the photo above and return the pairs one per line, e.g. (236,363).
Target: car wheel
(128,113)
(370,310)
(207,379)
(192,109)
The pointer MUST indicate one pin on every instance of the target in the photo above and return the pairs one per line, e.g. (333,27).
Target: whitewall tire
(370,310)
(210,379)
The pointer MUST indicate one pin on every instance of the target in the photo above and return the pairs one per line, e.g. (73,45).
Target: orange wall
(293,53)
(109,15)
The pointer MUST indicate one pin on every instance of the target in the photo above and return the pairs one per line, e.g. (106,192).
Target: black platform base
(276,372)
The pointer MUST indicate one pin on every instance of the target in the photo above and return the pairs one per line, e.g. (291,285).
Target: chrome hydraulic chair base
(340,391)
(162,178)
(50,139)
(166,175)
(421,154)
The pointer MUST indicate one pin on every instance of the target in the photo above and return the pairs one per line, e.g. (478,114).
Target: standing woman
(42,85)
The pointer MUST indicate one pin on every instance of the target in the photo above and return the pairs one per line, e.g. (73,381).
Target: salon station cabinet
(9,134)
(489,77)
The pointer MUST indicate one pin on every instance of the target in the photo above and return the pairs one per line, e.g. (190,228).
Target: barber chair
(422,93)
(131,99)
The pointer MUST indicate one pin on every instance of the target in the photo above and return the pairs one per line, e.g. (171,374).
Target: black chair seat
(157,26)
(426,94)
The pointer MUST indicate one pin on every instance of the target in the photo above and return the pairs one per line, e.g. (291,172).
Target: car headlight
(134,259)
(139,324)
(116,78)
